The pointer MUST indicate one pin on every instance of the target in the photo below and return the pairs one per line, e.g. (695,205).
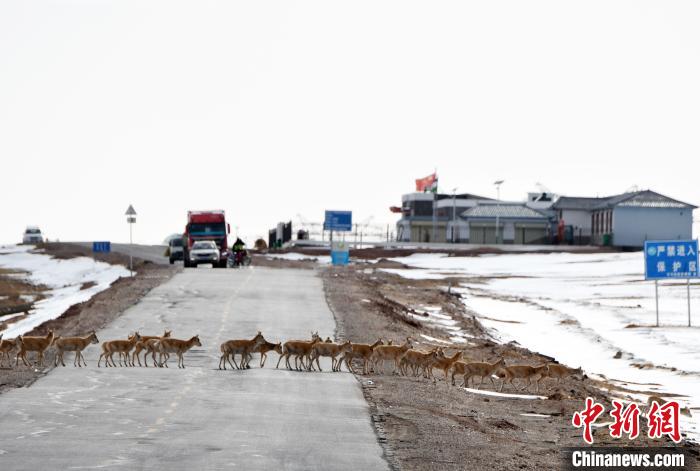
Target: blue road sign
(670,259)
(338,221)
(101,247)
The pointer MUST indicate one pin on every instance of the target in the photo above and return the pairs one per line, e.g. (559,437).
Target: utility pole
(454,213)
(498,184)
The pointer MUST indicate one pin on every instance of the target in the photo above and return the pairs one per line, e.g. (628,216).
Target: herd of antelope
(305,354)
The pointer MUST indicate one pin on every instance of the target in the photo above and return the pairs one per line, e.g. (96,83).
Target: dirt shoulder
(94,314)
(443,427)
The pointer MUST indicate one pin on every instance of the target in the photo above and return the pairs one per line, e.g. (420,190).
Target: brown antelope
(73,344)
(33,344)
(264,348)
(555,370)
(390,352)
(332,350)
(148,343)
(361,351)
(123,347)
(482,370)
(300,349)
(243,347)
(524,372)
(168,345)
(420,362)
(6,346)
(445,363)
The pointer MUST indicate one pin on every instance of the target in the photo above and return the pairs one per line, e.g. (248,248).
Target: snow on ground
(435,317)
(64,279)
(322,259)
(583,309)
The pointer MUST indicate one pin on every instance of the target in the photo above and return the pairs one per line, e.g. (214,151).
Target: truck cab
(206,225)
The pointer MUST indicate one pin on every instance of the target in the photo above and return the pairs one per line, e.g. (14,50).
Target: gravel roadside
(93,314)
(442,427)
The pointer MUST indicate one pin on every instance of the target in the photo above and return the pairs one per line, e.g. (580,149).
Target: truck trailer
(206,225)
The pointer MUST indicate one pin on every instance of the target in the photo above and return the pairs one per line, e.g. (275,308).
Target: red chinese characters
(626,420)
(586,417)
(664,420)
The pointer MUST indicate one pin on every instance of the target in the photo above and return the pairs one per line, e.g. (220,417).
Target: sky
(278,110)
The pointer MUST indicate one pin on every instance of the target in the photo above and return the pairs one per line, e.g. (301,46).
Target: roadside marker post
(671,259)
(340,221)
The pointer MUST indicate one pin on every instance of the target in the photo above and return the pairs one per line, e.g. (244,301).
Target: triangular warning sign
(131,211)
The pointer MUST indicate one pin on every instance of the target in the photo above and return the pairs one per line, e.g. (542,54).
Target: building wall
(578,218)
(632,226)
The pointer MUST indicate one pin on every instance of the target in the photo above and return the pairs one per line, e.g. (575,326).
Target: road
(199,417)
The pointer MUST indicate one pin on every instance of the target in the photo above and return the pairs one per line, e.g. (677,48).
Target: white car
(204,251)
(32,235)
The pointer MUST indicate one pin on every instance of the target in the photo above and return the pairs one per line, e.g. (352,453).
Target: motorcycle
(239,258)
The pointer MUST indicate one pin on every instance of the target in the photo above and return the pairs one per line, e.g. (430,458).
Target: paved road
(200,417)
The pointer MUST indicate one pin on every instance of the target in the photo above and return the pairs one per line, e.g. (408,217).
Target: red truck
(206,225)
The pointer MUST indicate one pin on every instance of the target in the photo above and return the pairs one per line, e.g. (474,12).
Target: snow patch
(64,278)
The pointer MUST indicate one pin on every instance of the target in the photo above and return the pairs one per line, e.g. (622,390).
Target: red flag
(428,183)
(395,209)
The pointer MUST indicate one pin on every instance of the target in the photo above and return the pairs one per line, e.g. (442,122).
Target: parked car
(32,235)
(204,251)
(176,250)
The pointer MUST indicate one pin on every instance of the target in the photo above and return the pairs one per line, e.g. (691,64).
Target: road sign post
(131,219)
(670,259)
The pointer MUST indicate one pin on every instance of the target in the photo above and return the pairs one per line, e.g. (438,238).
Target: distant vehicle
(204,251)
(210,226)
(32,235)
(176,249)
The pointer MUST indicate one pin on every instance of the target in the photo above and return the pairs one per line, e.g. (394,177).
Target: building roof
(643,199)
(578,202)
(511,211)
(640,199)
(463,196)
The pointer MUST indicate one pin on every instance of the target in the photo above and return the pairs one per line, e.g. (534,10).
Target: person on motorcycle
(239,245)
(238,254)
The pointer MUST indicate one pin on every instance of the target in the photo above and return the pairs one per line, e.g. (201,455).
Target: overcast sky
(273,109)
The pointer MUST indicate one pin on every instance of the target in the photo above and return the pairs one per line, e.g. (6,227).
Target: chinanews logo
(661,420)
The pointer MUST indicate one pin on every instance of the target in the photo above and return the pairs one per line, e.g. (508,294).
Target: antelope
(390,352)
(445,363)
(420,361)
(123,347)
(168,345)
(33,344)
(362,351)
(148,343)
(325,349)
(555,370)
(483,370)
(73,344)
(300,349)
(267,347)
(244,347)
(524,372)
(6,346)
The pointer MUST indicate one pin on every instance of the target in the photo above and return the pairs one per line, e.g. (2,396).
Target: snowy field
(64,279)
(582,309)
